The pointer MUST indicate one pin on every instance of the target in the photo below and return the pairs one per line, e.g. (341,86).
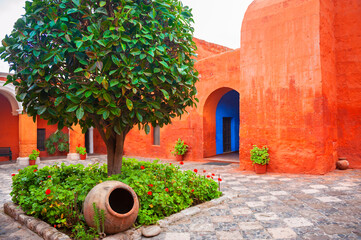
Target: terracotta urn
(32,162)
(342,163)
(260,169)
(82,156)
(179,157)
(119,202)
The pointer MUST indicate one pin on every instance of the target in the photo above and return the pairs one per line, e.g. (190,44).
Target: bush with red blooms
(162,189)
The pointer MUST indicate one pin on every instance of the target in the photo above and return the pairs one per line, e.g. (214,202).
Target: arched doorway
(221,122)
(9,122)
(227,123)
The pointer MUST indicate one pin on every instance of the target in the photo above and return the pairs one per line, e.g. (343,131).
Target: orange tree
(109,64)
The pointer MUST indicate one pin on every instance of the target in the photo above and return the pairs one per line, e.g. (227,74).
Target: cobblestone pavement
(271,206)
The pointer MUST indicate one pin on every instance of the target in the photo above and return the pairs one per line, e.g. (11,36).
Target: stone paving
(271,206)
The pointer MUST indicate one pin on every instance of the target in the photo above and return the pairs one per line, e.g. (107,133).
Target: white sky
(216,21)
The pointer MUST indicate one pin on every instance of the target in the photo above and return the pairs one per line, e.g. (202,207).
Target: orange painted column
(76,137)
(27,138)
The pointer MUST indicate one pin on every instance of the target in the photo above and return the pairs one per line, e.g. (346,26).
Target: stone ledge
(41,228)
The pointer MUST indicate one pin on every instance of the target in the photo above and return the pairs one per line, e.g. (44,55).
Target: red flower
(49,176)
(79,145)
(170,163)
(54,225)
(166,189)
(35,170)
(195,170)
(141,167)
(13,174)
(212,174)
(204,171)
(150,185)
(48,191)
(181,163)
(150,193)
(208,176)
(38,150)
(18,170)
(220,179)
(192,190)
(212,177)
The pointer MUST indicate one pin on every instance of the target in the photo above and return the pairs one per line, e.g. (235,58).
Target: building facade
(293,85)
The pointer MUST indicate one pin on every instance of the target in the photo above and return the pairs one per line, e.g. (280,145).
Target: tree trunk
(115,148)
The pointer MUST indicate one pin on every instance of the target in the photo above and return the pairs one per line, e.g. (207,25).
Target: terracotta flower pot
(82,156)
(119,202)
(260,169)
(342,164)
(32,162)
(179,158)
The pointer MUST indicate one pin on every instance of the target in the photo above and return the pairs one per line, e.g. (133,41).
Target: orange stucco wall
(99,145)
(9,129)
(27,135)
(49,129)
(283,103)
(348,55)
(206,49)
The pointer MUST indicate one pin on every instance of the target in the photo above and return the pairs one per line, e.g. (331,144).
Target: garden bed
(55,194)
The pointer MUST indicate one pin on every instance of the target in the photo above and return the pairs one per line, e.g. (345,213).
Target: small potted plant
(33,156)
(81,151)
(180,149)
(260,159)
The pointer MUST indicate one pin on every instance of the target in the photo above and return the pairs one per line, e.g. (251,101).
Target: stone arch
(10,93)
(209,120)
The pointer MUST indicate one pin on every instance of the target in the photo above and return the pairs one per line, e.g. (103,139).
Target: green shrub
(180,147)
(56,193)
(260,155)
(57,141)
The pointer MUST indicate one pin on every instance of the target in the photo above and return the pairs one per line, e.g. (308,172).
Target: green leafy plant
(34,155)
(82,232)
(57,141)
(80,150)
(107,64)
(55,193)
(99,219)
(260,155)
(180,147)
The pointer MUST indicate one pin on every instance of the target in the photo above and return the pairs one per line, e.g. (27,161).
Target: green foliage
(57,141)
(260,155)
(81,150)
(180,147)
(99,219)
(56,193)
(108,64)
(34,155)
(82,232)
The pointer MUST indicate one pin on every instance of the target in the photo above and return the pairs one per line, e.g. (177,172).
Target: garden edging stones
(39,227)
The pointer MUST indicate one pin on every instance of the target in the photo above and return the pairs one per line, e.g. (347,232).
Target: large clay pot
(32,162)
(342,163)
(119,202)
(260,169)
